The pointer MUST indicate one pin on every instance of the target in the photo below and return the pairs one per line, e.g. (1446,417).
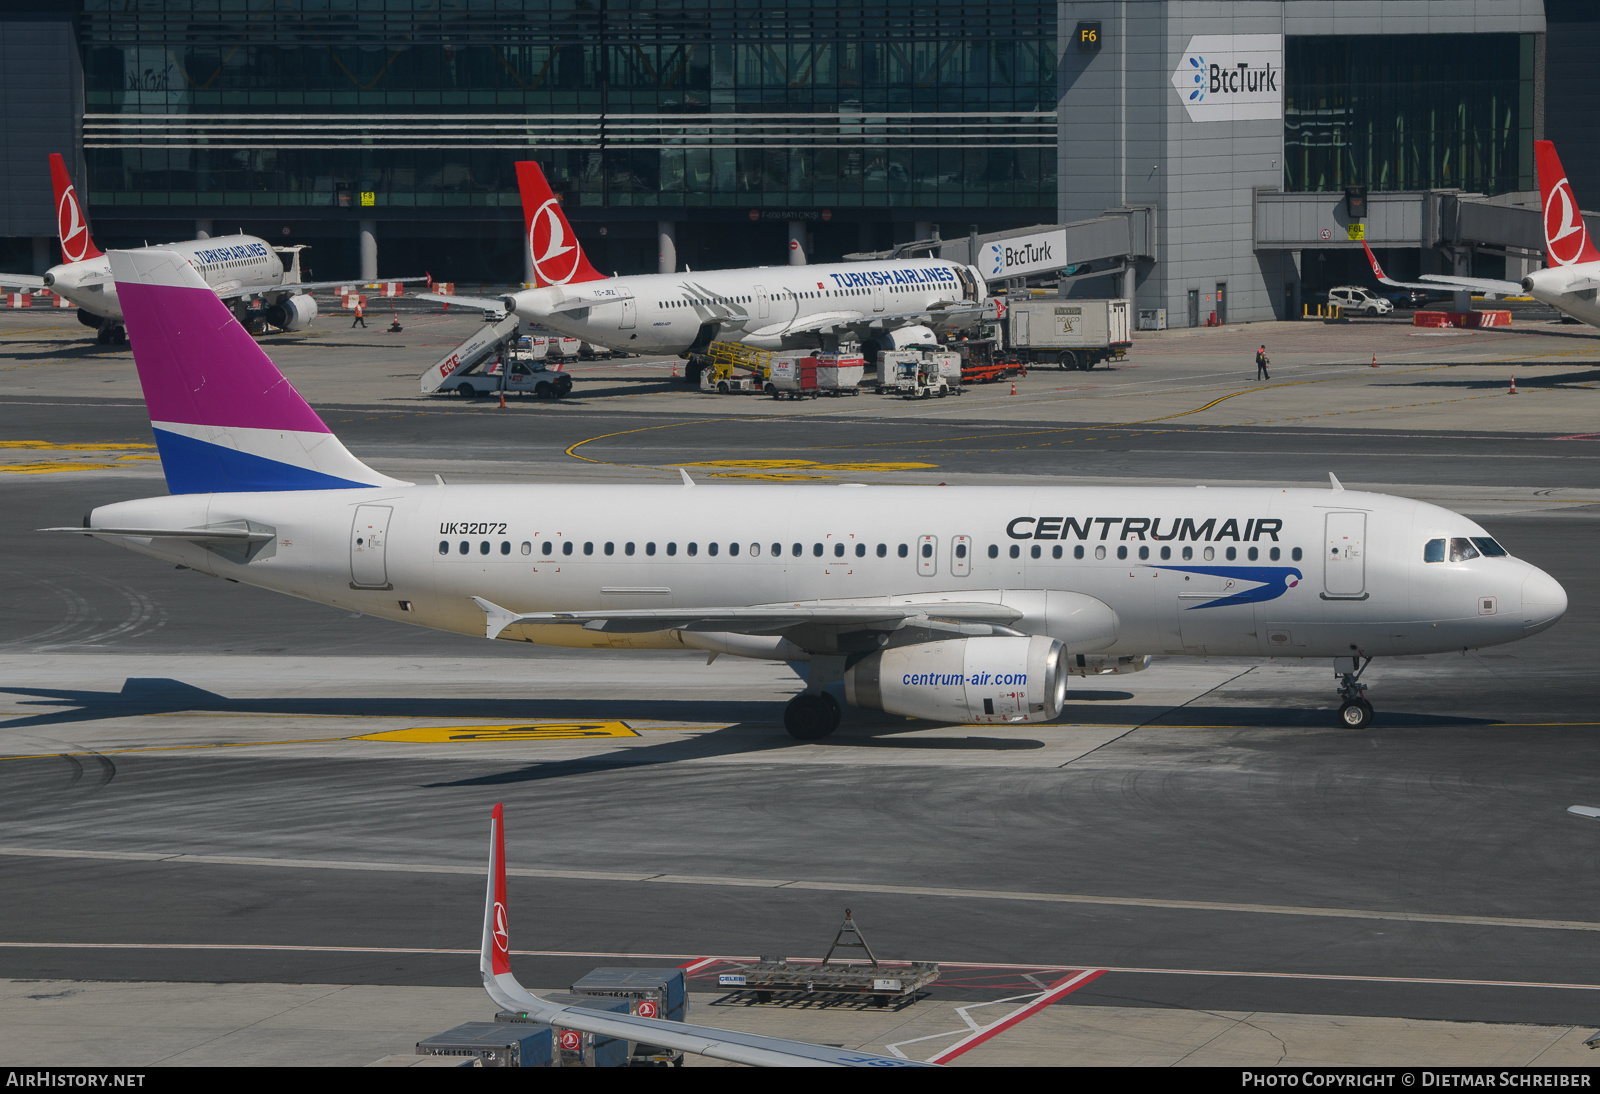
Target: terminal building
(1219,134)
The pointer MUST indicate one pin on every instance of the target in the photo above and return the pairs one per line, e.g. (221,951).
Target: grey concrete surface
(203,784)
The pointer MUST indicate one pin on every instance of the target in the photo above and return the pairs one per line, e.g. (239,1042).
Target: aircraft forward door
(878,298)
(763,303)
(629,315)
(1344,557)
(369,533)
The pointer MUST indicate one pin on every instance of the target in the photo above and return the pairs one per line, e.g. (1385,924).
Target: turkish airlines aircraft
(770,307)
(954,604)
(237,267)
(1572,265)
(494,963)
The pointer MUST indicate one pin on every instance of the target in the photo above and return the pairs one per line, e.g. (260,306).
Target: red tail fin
(1377,270)
(557,257)
(70,221)
(1566,237)
(500,927)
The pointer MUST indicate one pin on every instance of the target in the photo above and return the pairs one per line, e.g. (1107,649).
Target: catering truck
(1069,333)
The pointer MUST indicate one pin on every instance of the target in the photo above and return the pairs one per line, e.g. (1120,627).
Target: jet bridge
(1105,246)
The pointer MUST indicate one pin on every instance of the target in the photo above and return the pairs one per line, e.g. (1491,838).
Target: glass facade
(417,104)
(1404,112)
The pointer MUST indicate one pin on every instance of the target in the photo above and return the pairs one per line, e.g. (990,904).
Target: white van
(1353,298)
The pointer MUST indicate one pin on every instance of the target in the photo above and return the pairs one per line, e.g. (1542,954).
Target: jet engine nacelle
(292,312)
(991,679)
(908,338)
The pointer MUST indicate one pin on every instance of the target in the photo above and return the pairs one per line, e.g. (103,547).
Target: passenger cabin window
(465,547)
(1016,552)
(903,552)
(1077,552)
(547,548)
(994,550)
(1294,554)
(505,546)
(816,550)
(444,546)
(1055,552)
(1461,549)
(527,548)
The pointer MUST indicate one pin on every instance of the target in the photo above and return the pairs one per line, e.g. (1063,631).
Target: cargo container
(1069,333)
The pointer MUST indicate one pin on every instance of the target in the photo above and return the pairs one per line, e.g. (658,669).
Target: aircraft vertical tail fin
(558,258)
(71,225)
(224,417)
(1566,237)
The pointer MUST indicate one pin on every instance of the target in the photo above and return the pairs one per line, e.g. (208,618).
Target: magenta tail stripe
(198,366)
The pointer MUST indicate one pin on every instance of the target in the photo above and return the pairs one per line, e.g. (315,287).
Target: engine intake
(996,679)
(292,312)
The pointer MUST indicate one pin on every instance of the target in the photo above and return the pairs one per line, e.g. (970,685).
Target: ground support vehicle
(478,366)
(730,368)
(983,361)
(1070,333)
(1354,300)
(916,379)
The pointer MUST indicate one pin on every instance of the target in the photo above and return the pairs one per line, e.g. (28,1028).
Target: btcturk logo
(554,259)
(996,260)
(1198,95)
(1564,232)
(502,936)
(74,232)
(1266,582)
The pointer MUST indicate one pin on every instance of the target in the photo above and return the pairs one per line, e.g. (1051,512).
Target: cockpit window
(1489,547)
(1434,551)
(1461,549)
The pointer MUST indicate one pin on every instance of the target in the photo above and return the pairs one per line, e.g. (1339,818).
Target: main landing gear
(811,716)
(1356,712)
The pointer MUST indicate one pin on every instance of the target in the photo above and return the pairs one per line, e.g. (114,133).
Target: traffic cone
(1513,390)
(1374,359)
(502,398)
(1013,387)
(674,370)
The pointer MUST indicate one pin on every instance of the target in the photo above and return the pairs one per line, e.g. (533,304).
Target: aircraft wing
(305,286)
(810,323)
(721,1044)
(480,303)
(1436,282)
(20,281)
(762,619)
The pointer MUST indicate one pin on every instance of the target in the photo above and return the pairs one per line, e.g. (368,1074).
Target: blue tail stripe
(198,467)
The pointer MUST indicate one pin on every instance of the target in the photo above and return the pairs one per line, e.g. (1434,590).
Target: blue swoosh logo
(1272,582)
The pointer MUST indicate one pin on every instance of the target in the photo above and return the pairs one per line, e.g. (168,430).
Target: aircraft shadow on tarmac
(154,696)
(1535,380)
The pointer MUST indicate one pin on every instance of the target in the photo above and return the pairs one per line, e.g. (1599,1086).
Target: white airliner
(891,304)
(1572,271)
(494,963)
(236,267)
(955,604)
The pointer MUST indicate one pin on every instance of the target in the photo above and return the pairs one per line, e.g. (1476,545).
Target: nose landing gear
(1355,712)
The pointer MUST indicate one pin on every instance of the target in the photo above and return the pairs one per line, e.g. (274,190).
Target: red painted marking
(1063,987)
(1577,437)
(693,966)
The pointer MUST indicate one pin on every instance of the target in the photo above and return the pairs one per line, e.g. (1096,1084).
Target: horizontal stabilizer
(194,535)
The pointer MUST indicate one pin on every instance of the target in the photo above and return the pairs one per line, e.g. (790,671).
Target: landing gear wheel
(1356,714)
(811,716)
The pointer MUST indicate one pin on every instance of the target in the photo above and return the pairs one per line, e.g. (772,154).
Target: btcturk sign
(1231,77)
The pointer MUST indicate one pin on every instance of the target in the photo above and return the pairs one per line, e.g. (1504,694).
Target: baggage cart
(574,1048)
(494,1044)
(654,993)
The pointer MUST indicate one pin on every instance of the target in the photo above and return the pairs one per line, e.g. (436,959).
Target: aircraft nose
(1543,602)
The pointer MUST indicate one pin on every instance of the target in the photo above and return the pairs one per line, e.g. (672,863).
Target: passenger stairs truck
(1069,333)
(494,359)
